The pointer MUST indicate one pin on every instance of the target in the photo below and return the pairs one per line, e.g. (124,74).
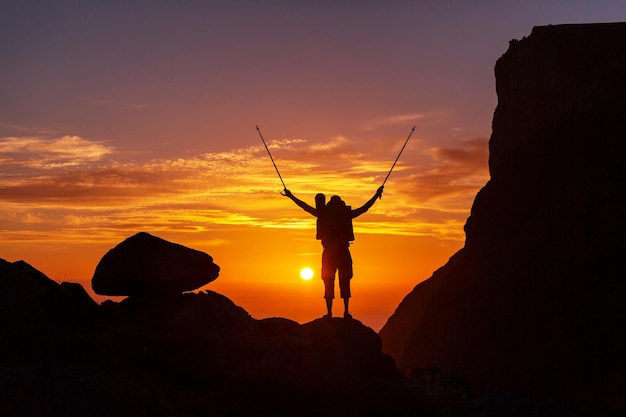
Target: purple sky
(171,77)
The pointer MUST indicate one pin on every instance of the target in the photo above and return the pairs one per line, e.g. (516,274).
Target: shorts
(336,260)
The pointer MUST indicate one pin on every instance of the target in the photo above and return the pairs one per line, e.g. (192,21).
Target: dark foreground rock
(534,302)
(31,303)
(143,265)
(201,355)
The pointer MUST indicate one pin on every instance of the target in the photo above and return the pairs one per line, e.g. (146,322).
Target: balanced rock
(145,265)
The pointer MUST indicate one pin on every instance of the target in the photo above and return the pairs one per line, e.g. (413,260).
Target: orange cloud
(62,210)
(398,119)
(472,154)
(73,184)
(66,151)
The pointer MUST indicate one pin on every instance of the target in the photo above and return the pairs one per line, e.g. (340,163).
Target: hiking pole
(268,152)
(398,157)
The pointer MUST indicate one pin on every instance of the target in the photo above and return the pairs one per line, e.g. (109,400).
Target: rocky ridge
(193,354)
(199,354)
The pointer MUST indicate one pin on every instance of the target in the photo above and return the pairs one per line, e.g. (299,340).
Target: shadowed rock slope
(536,300)
(180,354)
(201,355)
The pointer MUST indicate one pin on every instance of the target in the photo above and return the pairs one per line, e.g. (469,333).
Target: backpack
(335,222)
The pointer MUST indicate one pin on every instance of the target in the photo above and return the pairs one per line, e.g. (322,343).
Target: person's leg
(328,276)
(346,314)
(329,294)
(329,307)
(344,289)
(345,275)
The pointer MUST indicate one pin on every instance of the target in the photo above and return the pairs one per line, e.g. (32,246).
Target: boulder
(144,264)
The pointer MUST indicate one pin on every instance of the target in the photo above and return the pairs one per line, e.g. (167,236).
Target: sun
(306,273)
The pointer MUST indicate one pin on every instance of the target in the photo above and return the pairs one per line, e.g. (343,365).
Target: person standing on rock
(334,229)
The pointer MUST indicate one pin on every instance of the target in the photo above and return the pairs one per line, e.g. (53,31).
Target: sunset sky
(119,117)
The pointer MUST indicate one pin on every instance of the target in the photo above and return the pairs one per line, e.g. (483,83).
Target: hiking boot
(347,315)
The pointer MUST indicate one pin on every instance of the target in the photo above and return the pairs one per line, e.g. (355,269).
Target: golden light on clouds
(66,201)
(145,129)
(400,119)
(71,182)
(66,151)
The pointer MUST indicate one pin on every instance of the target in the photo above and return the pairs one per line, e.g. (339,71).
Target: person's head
(336,201)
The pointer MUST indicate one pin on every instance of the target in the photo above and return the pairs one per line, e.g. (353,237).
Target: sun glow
(306,273)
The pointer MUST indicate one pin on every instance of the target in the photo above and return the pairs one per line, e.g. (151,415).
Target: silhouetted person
(334,229)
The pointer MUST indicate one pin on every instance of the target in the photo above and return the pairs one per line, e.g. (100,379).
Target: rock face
(146,265)
(201,355)
(33,304)
(535,301)
(182,354)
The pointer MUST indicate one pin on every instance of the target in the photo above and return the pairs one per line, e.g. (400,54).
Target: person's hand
(287,193)
(379,192)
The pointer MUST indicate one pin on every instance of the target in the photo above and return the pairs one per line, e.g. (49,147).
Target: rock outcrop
(183,354)
(534,302)
(145,264)
(31,304)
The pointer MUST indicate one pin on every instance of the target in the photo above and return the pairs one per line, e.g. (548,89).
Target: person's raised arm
(369,204)
(304,206)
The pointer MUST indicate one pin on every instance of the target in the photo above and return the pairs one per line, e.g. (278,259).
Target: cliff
(534,302)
